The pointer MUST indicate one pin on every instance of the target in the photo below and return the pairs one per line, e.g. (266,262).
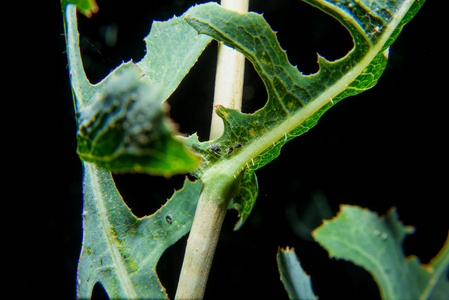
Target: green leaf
(86,7)
(172,48)
(122,125)
(127,129)
(296,281)
(121,251)
(295,101)
(243,201)
(374,243)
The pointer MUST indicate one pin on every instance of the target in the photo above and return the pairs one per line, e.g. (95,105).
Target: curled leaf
(127,129)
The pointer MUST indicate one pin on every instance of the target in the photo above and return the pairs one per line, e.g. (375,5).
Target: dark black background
(383,148)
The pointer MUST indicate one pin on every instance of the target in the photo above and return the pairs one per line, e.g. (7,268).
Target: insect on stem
(215,148)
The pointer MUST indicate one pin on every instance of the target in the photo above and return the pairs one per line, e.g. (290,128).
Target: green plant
(123,127)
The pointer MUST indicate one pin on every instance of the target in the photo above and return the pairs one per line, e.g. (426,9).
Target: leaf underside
(123,127)
(295,101)
(121,251)
(374,243)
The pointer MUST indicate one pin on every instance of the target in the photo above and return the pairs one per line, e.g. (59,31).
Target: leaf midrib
(107,228)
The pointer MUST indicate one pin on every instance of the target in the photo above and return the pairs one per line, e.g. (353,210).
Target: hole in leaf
(98,292)
(108,38)
(254,91)
(115,34)
(191,102)
(169,266)
(145,194)
(303,31)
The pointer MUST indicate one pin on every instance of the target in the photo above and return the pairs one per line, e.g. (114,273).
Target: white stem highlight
(229,75)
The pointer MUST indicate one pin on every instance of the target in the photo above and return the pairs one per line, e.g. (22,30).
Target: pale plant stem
(229,75)
(228,85)
(215,197)
(203,239)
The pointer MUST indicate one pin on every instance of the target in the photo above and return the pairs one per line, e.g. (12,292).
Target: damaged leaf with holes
(123,125)
(86,7)
(119,250)
(295,101)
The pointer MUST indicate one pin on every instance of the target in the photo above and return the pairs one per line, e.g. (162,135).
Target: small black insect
(215,148)
(238,145)
(169,219)
(230,150)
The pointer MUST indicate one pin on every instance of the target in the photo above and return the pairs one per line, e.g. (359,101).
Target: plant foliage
(374,243)
(121,251)
(123,125)
(295,101)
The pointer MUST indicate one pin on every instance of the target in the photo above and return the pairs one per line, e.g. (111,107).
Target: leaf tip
(286,249)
